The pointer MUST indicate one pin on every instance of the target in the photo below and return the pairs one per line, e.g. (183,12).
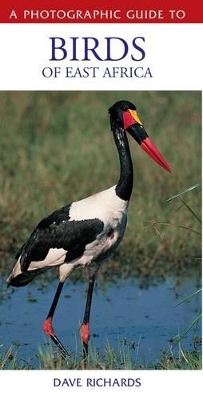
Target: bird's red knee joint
(85,333)
(48,328)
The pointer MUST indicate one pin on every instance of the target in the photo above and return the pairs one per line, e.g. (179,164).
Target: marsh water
(143,317)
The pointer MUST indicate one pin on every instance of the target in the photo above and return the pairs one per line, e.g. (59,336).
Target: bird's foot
(48,329)
(64,353)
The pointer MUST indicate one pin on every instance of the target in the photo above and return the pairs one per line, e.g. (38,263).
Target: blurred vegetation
(56,147)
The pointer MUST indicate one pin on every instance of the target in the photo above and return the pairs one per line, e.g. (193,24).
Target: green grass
(56,147)
(110,359)
(184,361)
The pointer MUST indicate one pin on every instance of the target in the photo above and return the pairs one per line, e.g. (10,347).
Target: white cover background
(174,55)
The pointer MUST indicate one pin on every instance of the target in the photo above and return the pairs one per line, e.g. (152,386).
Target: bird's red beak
(134,126)
(150,148)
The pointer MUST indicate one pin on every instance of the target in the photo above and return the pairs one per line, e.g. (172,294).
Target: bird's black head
(117,112)
(123,115)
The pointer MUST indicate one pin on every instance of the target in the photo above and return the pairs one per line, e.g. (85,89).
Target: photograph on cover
(100,225)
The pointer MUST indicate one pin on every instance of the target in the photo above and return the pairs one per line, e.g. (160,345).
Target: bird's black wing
(57,231)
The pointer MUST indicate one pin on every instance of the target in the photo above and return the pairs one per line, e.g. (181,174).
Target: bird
(87,231)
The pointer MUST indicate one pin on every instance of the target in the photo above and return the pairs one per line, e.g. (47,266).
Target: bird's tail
(18,278)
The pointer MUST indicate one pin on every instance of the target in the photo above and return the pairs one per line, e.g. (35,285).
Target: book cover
(80,83)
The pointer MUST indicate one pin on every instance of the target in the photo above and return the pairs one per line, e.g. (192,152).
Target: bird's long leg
(47,326)
(84,330)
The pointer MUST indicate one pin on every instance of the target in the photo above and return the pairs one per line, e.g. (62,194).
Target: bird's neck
(125,183)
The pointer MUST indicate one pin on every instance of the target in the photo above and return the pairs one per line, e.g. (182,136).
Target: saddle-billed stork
(89,230)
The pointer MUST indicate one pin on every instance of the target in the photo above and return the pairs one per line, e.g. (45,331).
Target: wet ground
(144,318)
